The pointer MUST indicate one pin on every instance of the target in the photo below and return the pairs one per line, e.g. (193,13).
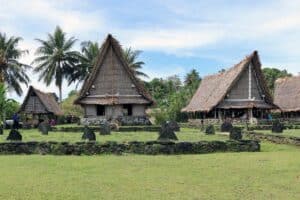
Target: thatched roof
(49,101)
(287,93)
(213,88)
(142,96)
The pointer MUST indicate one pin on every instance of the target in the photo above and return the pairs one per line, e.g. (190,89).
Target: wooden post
(220,114)
(250,115)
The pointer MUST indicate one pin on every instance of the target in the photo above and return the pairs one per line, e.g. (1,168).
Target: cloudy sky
(175,36)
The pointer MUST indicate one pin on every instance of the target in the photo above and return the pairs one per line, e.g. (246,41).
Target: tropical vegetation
(56,58)
(12,71)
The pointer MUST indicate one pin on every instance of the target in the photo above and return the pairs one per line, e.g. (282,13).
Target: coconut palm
(88,59)
(56,58)
(131,59)
(12,72)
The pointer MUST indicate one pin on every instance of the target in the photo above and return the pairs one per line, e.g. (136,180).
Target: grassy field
(287,132)
(271,174)
(184,135)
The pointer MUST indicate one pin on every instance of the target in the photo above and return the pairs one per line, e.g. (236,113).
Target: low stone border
(278,139)
(148,148)
(97,129)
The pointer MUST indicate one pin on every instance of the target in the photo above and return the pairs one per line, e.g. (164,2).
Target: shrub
(210,130)
(235,133)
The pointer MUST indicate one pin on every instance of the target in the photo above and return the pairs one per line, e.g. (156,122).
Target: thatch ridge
(111,41)
(47,99)
(213,88)
(287,93)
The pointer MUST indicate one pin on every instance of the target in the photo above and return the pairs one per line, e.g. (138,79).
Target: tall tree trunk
(60,94)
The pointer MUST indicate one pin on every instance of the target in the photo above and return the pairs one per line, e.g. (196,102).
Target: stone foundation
(122,121)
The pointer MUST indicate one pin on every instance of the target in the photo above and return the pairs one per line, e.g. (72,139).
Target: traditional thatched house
(40,105)
(240,93)
(287,96)
(112,91)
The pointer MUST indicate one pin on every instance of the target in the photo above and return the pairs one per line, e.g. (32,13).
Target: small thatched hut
(112,91)
(287,96)
(240,93)
(40,105)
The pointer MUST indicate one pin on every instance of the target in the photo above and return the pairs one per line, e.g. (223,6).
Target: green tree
(68,106)
(56,58)
(272,74)
(12,72)
(11,107)
(131,57)
(88,59)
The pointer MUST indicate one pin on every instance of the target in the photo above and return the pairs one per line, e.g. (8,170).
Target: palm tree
(131,57)
(88,59)
(12,72)
(192,78)
(56,60)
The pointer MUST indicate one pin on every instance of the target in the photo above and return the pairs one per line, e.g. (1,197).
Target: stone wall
(97,129)
(278,139)
(148,148)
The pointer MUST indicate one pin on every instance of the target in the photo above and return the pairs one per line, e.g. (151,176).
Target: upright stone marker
(210,130)
(88,134)
(235,133)
(277,127)
(166,132)
(226,126)
(44,128)
(14,135)
(174,125)
(105,128)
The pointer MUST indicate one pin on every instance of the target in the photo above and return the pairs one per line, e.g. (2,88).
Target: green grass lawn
(185,135)
(273,173)
(287,132)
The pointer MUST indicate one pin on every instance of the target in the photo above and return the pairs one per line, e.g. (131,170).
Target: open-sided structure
(239,92)
(39,104)
(287,96)
(112,91)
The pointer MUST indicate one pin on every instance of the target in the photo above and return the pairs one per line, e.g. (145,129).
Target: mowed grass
(184,135)
(287,132)
(273,173)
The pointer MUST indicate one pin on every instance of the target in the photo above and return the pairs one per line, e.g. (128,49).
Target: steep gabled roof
(48,100)
(287,93)
(110,41)
(213,88)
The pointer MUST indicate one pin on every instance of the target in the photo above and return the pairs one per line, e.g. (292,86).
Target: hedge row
(120,129)
(278,139)
(148,148)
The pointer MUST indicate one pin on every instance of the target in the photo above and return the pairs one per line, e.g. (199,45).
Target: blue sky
(175,36)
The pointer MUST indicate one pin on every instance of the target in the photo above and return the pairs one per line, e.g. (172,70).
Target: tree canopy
(272,74)
(12,72)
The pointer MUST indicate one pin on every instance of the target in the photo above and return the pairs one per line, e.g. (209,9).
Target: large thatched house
(39,104)
(112,91)
(287,96)
(240,93)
